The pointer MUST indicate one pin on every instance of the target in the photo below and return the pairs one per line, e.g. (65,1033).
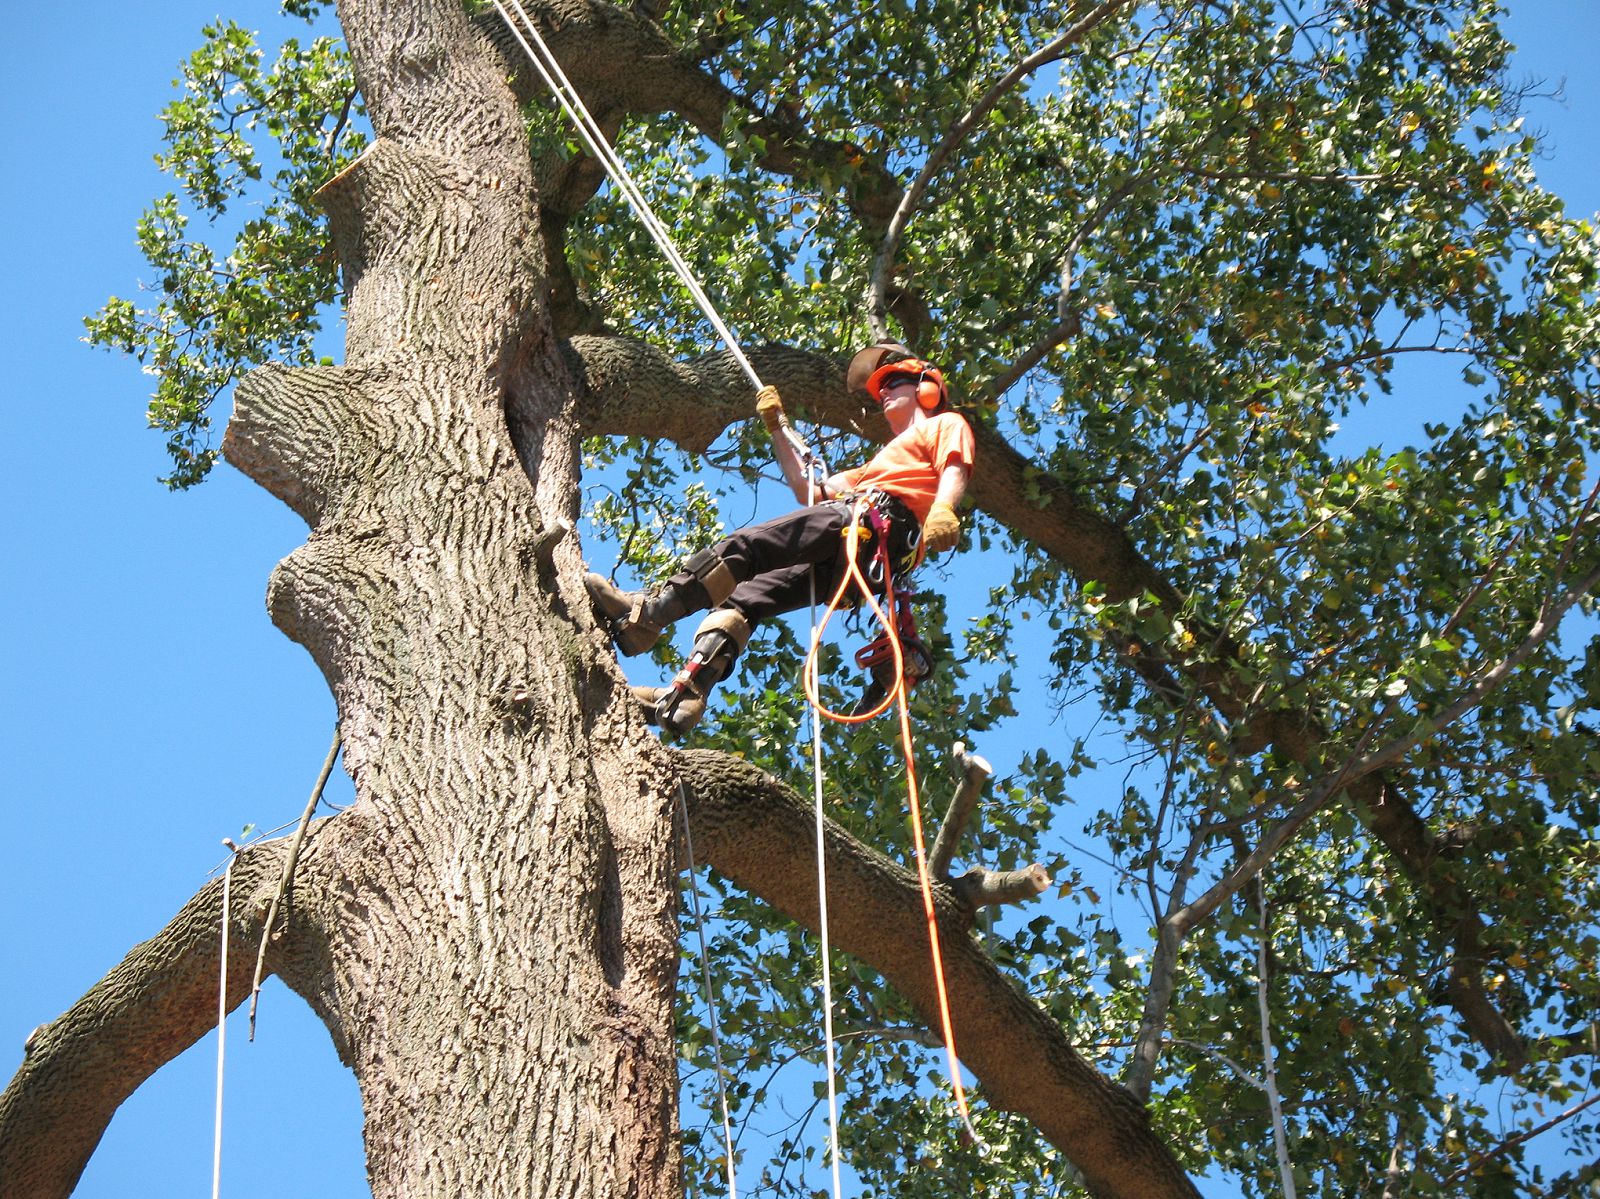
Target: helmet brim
(866,361)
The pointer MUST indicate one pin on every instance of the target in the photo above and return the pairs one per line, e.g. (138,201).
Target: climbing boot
(718,642)
(648,698)
(635,620)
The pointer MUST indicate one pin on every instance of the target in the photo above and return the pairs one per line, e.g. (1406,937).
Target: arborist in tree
(903,500)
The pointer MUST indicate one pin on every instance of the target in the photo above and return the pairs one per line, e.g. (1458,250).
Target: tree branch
(156,1003)
(757,832)
(975,772)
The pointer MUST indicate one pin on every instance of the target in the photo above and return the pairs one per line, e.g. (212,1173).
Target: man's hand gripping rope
(769,406)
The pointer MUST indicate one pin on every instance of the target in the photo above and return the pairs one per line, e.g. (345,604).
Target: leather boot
(634,619)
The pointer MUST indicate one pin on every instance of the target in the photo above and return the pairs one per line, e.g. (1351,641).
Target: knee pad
(713,575)
(722,636)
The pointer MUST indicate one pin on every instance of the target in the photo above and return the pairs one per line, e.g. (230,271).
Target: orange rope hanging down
(897,695)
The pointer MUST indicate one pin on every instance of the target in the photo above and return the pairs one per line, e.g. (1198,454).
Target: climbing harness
(549,70)
(877,656)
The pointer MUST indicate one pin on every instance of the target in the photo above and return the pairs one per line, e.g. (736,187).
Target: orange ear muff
(930,388)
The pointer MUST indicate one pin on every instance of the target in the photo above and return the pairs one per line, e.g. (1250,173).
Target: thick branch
(157,1002)
(758,833)
(975,771)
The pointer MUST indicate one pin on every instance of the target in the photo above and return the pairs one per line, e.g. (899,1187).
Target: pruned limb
(974,773)
(152,1006)
(986,888)
(758,832)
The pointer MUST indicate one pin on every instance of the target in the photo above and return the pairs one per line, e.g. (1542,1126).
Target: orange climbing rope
(897,695)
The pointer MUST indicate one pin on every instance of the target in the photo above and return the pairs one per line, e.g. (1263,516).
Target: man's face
(898,395)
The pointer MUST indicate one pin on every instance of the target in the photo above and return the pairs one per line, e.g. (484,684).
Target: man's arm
(952,484)
(770,408)
(942,530)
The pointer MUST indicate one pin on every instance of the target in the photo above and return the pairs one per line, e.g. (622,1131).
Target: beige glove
(770,407)
(941,530)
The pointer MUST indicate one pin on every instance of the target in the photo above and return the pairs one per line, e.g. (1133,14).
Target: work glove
(941,530)
(770,407)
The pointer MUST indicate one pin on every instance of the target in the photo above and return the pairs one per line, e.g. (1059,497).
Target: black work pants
(776,563)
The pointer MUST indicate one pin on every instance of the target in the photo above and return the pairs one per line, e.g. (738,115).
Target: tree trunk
(494,948)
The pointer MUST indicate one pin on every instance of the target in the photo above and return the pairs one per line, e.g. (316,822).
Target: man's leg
(708,579)
(718,642)
(725,632)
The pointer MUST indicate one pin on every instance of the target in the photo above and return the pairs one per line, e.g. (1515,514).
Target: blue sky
(149,708)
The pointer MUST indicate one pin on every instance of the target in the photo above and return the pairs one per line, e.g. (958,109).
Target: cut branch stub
(979,887)
(428,250)
(300,433)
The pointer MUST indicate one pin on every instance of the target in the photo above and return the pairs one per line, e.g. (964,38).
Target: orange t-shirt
(909,467)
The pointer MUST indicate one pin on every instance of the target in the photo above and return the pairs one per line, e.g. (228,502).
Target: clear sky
(149,708)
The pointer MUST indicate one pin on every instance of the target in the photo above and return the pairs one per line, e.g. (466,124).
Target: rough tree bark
(489,932)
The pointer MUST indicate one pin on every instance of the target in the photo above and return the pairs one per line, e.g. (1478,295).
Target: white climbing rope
(711,995)
(544,62)
(822,885)
(222,1024)
(595,139)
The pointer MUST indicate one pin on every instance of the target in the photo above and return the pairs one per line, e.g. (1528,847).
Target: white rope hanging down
(222,1022)
(822,889)
(711,995)
(595,139)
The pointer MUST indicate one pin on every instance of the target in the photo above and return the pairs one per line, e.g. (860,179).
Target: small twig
(1269,1071)
(338,126)
(1222,1058)
(975,772)
(958,133)
(1513,1142)
(288,874)
(1396,1170)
